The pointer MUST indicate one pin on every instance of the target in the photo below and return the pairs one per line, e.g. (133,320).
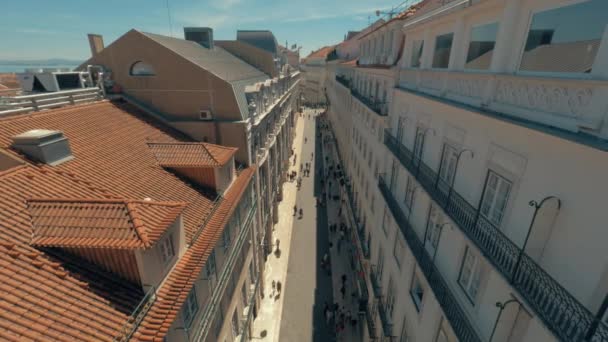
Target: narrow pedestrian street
(297,313)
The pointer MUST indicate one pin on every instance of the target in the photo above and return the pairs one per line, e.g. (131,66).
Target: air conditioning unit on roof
(205,114)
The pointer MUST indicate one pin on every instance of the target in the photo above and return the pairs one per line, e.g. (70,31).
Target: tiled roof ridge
(172,295)
(107,200)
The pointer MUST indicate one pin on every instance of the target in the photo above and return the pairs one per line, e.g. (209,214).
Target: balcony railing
(210,309)
(558,309)
(36,102)
(377,107)
(385,319)
(371,323)
(376,283)
(451,308)
(138,315)
(343,80)
(564,103)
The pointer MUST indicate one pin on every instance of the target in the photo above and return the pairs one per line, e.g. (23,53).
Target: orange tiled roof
(178,285)
(46,293)
(322,52)
(191,154)
(99,223)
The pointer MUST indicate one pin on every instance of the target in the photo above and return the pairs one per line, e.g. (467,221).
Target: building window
(244,294)
(441,336)
(565,39)
(390,297)
(448,163)
(443,47)
(481,46)
(399,251)
(470,274)
(434,226)
(235,324)
(190,307)
(141,69)
(417,47)
(167,252)
(372,205)
(417,292)
(380,264)
(409,193)
(252,278)
(210,265)
(495,198)
(385,221)
(403,337)
(418,143)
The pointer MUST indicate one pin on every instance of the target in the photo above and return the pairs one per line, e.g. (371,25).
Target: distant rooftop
(262,39)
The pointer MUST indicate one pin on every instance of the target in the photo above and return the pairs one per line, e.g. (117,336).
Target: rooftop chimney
(96,43)
(200,35)
(43,145)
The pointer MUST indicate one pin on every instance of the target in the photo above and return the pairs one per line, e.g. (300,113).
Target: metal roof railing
(36,102)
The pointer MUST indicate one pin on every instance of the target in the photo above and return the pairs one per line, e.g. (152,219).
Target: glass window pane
(417,47)
(565,39)
(443,47)
(481,46)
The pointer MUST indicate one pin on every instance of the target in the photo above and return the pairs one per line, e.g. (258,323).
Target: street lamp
(537,207)
(456,170)
(438,240)
(501,306)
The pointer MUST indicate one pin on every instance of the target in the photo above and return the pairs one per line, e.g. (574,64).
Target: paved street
(307,287)
(297,313)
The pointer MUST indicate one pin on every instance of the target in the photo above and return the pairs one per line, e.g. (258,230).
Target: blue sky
(39,29)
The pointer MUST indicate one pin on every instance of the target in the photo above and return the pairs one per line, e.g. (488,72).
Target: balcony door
(394,175)
(418,144)
(495,198)
(400,127)
(447,168)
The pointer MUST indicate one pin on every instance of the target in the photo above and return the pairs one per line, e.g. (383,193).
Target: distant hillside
(49,62)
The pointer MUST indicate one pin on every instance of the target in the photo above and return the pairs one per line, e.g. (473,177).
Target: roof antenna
(169,16)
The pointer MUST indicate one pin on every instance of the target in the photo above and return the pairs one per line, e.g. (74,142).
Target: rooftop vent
(200,35)
(43,145)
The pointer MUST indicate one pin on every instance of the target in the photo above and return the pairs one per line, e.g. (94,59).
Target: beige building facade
(491,149)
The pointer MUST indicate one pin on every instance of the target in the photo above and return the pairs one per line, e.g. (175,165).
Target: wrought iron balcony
(453,312)
(210,309)
(558,309)
(371,323)
(385,319)
(376,284)
(377,107)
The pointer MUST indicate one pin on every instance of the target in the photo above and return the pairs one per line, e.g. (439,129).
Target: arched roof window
(140,68)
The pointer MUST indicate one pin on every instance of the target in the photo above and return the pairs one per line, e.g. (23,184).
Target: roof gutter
(437,12)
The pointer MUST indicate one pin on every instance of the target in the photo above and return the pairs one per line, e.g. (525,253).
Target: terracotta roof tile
(48,294)
(98,223)
(176,288)
(191,154)
(322,52)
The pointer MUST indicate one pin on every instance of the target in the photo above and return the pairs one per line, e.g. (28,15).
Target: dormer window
(167,252)
(140,68)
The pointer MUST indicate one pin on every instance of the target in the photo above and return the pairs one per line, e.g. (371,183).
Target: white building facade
(487,215)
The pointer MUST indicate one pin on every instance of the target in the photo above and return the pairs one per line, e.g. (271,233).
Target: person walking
(279,287)
(301,213)
(295,210)
(274,284)
(342,291)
